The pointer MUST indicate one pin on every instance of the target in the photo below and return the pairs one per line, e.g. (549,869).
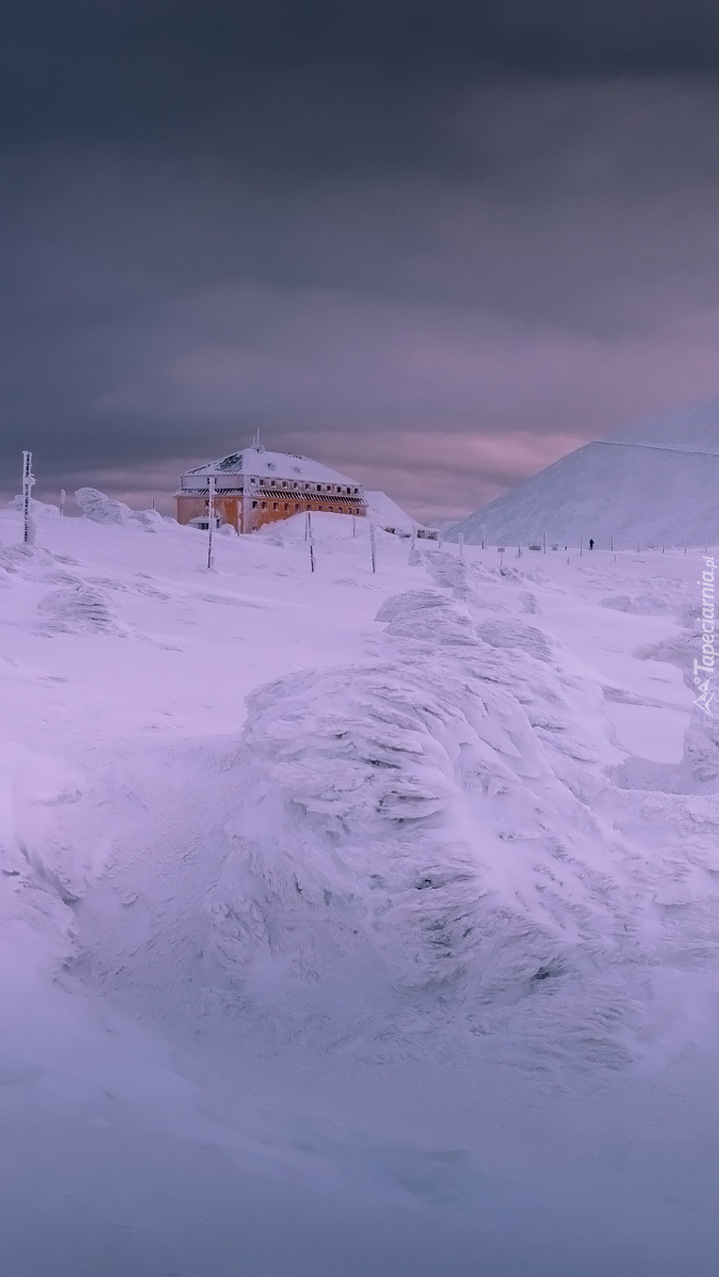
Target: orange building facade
(255,487)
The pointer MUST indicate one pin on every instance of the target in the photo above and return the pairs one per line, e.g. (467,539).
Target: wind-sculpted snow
(100,508)
(415,820)
(79,609)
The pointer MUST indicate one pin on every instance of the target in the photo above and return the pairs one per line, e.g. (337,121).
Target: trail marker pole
(373,547)
(544,543)
(354,527)
(461,545)
(62,501)
(312,555)
(581,545)
(28,480)
(611,544)
(210,519)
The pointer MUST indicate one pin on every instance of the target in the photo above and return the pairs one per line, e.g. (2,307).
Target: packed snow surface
(353,922)
(651,485)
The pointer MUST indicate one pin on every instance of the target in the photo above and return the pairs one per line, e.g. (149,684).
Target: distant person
(591,543)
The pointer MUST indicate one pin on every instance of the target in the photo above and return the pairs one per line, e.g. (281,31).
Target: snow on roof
(385,512)
(256,460)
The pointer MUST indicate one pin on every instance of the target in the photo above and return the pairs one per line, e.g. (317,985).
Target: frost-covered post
(312,555)
(28,480)
(210,518)
(544,543)
(373,547)
(611,544)
(354,527)
(62,500)
(461,545)
(581,545)
(308,526)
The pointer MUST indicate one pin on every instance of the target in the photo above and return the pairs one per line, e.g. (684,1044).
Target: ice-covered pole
(28,479)
(63,494)
(210,519)
(461,545)
(373,547)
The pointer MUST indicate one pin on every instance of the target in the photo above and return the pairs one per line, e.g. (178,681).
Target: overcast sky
(436,243)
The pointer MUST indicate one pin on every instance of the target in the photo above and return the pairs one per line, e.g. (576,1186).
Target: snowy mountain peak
(653,483)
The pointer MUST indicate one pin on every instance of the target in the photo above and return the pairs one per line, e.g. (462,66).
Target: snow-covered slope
(654,483)
(352,921)
(385,512)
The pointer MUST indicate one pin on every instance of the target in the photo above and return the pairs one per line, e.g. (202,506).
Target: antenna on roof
(256,440)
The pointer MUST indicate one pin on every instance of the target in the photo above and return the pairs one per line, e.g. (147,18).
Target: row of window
(262,505)
(308,487)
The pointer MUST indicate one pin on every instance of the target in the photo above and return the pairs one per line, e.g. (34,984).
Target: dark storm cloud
(387,233)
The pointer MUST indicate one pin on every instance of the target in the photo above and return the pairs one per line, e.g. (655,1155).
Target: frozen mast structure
(254,487)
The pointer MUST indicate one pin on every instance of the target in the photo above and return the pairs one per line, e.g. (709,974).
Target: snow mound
(79,609)
(38,509)
(409,836)
(100,508)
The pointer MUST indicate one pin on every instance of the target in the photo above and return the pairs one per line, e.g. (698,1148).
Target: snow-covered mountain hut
(254,487)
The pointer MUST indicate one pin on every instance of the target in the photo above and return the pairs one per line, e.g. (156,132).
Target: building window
(264,505)
(287,505)
(274,505)
(254,505)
